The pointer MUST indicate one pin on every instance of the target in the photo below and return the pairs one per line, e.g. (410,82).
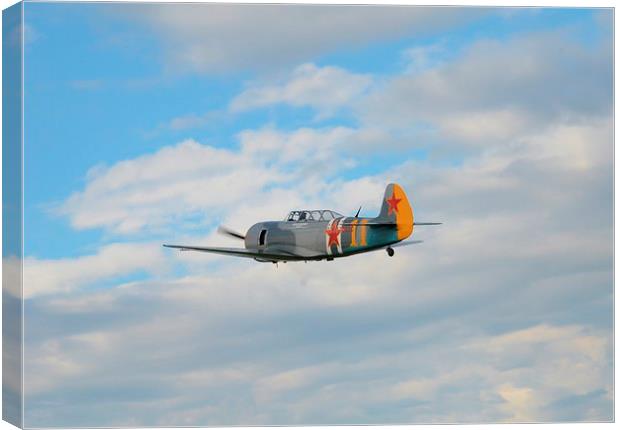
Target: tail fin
(396,209)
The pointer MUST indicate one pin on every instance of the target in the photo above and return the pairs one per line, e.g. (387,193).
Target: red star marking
(393,203)
(333,233)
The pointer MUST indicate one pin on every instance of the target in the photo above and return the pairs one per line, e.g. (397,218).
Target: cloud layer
(510,296)
(498,90)
(220,38)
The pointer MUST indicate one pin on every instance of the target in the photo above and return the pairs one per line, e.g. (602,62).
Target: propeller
(228,232)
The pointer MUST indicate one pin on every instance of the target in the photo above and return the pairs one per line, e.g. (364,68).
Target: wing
(240,252)
(371,222)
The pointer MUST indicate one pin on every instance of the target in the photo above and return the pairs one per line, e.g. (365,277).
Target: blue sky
(147,124)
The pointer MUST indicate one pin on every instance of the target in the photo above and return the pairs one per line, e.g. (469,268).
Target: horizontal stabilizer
(378,223)
(409,242)
(397,245)
(369,223)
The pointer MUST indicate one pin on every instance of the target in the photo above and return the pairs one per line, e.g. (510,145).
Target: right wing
(241,252)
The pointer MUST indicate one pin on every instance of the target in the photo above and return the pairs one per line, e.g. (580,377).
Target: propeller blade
(229,232)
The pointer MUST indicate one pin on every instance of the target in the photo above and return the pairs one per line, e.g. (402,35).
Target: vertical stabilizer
(396,208)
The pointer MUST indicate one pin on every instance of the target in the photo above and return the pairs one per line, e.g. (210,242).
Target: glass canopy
(313,215)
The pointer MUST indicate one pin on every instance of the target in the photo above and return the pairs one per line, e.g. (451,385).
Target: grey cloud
(220,38)
(249,344)
(298,364)
(499,90)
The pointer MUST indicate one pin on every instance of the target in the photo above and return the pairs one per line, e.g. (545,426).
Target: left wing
(241,252)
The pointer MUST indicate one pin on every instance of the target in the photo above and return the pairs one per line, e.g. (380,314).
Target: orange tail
(396,209)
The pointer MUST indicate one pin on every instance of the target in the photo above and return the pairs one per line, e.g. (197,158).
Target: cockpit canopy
(314,215)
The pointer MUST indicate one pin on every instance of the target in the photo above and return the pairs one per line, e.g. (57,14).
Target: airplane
(314,235)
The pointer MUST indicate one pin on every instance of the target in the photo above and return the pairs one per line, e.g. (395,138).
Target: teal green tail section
(350,235)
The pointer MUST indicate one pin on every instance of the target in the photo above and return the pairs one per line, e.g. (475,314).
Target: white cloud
(12,340)
(180,183)
(423,57)
(157,189)
(301,146)
(51,363)
(323,88)
(569,360)
(12,276)
(43,277)
(521,404)
(480,128)
(190,121)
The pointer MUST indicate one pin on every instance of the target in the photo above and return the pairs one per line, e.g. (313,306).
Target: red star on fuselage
(333,233)
(392,203)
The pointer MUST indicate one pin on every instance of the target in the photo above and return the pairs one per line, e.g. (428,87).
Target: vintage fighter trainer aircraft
(312,235)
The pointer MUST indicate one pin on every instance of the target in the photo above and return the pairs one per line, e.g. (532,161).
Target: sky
(149,124)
